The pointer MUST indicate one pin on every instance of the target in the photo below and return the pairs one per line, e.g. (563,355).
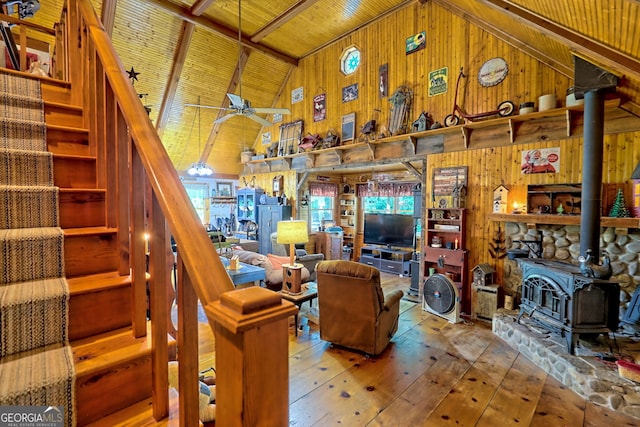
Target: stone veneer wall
(562,243)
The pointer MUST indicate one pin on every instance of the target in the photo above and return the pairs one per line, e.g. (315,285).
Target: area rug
(36,361)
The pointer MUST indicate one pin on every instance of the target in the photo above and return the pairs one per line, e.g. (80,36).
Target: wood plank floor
(433,374)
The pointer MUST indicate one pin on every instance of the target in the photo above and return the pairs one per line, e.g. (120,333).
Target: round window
(350,60)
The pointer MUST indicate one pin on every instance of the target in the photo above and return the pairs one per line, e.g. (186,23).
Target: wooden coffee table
(309,293)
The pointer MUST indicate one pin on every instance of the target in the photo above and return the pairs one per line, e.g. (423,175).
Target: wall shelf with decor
(605,221)
(550,125)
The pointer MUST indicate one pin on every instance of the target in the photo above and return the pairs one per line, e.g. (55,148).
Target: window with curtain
(199,195)
(394,198)
(321,203)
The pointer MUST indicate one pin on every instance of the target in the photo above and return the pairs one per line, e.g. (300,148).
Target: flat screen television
(388,229)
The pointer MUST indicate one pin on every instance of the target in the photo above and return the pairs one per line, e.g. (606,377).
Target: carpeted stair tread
(23,254)
(28,207)
(23,135)
(23,86)
(25,167)
(19,107)
(41,377)
(29,314)
(36,362)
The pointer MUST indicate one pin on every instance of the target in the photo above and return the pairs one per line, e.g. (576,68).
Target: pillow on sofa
(277,261)
(272,267)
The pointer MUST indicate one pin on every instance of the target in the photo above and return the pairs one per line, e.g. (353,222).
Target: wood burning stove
(560,298)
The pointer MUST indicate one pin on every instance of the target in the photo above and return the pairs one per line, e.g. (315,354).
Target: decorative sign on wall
(543,160)
(320,107)
(493,72)
(445,183)
(383,80)
(350,93)
(416,42)
(266,138)
(276,118)
(348,127)
(297,95)
(438,81)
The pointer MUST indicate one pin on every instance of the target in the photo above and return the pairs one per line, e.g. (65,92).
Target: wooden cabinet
(329,244)
(444,250)
(248,200)
(547,199)
(268,217)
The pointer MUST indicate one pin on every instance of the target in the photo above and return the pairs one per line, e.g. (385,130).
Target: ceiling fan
(238,105)
(242,107)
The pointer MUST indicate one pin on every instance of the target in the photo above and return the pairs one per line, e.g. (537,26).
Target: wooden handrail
(206,271)
(133,165)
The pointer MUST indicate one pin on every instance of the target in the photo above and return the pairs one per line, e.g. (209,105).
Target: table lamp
(292,232)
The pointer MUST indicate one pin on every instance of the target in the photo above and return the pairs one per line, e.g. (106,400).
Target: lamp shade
(289,232)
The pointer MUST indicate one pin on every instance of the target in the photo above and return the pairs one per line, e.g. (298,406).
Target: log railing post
(252,347)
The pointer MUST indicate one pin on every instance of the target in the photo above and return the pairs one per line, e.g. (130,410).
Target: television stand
(397,261)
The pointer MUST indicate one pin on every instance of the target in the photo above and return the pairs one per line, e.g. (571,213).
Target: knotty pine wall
(451,42)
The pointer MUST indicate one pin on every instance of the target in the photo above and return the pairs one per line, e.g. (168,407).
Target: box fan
(440,296)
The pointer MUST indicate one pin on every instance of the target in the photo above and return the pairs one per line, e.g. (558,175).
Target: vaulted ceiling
(189,52)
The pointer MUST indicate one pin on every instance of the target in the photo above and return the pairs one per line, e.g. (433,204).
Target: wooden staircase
(117,184)
(113,367)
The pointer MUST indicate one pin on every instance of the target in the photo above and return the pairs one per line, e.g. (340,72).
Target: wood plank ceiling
(191,51)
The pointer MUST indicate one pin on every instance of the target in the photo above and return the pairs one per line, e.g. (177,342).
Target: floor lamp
(292,232)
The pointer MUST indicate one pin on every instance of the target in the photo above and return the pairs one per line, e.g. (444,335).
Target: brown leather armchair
(354,311)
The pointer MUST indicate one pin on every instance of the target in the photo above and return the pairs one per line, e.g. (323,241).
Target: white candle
(456,244)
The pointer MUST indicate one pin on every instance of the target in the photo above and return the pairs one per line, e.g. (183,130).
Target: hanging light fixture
(198,168)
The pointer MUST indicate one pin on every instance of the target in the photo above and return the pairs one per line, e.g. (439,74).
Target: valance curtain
(323,189)
(386,189)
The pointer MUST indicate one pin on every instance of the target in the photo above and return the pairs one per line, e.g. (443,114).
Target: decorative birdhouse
(483,275)
(500,199)
(458,196)
(422,123)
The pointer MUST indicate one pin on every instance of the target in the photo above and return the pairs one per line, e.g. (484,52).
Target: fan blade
(210,106)
(259,119)
(225,118)
(236,101)
(272,110)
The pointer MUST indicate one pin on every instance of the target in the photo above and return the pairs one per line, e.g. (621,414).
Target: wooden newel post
(252,357)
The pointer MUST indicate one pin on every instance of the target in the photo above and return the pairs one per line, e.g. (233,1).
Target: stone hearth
(586,373)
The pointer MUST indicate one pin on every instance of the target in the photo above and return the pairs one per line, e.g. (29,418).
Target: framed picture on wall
(224,189)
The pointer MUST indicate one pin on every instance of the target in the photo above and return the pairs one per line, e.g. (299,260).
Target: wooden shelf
(405,148)
(563,220)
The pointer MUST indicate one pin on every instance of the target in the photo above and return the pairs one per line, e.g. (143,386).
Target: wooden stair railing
(145,195)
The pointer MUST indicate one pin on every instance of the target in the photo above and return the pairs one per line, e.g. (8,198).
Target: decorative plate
(493,72)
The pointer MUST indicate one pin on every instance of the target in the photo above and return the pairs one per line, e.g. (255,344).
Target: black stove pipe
(592,154)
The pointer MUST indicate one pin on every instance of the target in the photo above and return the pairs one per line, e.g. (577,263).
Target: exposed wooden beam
(506,37)
(108,14)
(589,48)
(228,32)
(180,55)
(275,100)
(233,84)
(282,19)
(200,6)
(184,41)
